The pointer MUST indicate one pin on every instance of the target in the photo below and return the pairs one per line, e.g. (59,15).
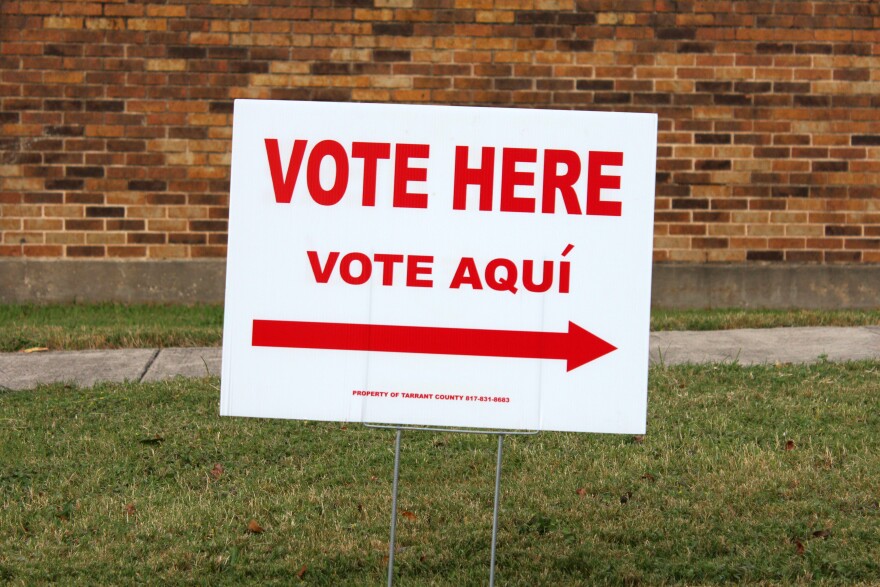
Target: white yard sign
(436,265)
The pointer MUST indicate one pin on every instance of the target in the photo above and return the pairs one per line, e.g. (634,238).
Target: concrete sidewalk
(746,347)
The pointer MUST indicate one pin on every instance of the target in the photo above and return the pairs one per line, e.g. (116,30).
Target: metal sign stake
(395,482)
(495,509)
(394,509)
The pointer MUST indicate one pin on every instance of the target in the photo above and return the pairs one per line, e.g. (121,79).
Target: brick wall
(116,116)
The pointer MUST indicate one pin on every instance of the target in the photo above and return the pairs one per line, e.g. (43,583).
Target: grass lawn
(727,319)
(108,326)
(758,475)
(91,326)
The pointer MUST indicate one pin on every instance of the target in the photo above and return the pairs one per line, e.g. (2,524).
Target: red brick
(119,113)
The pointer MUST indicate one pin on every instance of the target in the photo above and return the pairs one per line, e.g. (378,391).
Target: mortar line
(149,364)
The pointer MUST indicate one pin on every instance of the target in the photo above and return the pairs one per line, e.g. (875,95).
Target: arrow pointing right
(583,347)
(577,346)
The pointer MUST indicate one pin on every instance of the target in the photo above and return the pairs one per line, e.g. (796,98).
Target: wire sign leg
(394,510)
(495,510)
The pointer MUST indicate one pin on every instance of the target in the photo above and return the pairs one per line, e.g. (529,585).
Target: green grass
(113,485)
(727,319)
(103,326)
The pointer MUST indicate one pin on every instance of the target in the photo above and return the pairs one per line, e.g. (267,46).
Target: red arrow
(577,346)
